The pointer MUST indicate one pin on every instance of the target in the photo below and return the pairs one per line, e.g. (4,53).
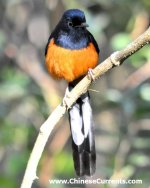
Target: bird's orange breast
(69,64)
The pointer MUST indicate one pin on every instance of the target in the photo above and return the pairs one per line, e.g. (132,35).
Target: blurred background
(121,105)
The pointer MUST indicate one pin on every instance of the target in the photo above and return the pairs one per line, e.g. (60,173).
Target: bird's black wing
(92,39)
(54,35)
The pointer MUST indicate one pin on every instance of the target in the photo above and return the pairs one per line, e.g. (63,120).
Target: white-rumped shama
(70,52)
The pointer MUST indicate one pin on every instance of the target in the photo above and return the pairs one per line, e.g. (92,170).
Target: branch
(138,77)
(81,87)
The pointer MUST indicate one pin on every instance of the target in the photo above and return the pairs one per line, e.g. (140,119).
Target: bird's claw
(91,74)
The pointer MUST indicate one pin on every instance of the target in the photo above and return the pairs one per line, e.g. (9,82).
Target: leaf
(145,92)
(120,41)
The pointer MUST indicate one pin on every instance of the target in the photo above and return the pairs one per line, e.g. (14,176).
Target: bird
(71,52)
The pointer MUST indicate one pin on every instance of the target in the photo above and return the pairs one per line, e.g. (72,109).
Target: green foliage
(120,41)
(2,40)
(7,182)
(63,161)
(145,92)
(141,57)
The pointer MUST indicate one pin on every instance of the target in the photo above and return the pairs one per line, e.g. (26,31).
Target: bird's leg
(91,74)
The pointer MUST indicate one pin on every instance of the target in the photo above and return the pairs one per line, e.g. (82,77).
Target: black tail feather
(83,143)
(90,161)
(78,158)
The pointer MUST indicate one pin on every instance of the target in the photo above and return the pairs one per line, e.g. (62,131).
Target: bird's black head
(71,30)
(73,19)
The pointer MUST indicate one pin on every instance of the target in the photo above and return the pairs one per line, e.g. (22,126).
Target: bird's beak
(84,24)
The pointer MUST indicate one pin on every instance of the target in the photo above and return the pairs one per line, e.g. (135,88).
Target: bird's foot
(91,74)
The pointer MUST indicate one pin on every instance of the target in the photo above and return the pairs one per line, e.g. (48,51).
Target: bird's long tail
(83,143)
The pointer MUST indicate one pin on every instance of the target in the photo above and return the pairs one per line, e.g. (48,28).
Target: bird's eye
(70,24)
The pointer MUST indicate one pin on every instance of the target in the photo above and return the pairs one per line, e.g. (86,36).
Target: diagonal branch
(114,60)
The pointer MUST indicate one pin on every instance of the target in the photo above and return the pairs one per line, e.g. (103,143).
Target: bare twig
(81,87)
(138,77)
